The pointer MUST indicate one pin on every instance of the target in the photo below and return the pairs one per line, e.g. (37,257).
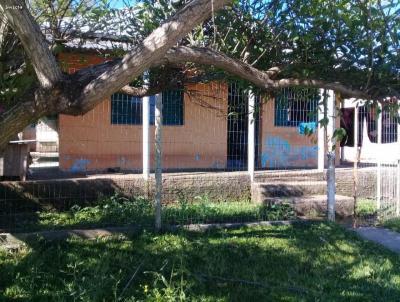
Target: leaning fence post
(158,160)
(331,186)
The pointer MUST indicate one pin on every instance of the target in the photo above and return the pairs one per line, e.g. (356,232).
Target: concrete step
(36,155)
(287,189)
(267,176)
(313,206)
(288,179)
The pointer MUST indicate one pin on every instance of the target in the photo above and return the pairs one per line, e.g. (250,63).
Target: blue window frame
(296,106)
(173,107)
(127,110)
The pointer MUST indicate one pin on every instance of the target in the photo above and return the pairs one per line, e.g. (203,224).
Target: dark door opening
(238,128)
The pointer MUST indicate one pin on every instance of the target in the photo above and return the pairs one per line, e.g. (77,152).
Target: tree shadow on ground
(314,262)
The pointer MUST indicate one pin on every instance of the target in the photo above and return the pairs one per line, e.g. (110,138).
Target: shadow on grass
(119,211)
(285,263)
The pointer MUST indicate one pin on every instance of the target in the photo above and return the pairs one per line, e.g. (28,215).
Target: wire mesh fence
(376,152)
(88,170)
(205,129)
(205,143)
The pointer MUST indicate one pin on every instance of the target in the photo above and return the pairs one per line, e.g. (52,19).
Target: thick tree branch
(177,56)
(335,86)
(147,53)
(15,119)
(3,30)
(80,92)
(261,79)
(206,56)
(35,45)
(135,91)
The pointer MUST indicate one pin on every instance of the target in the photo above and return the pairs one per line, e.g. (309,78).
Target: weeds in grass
(121,211)
(393,224)
(366,207)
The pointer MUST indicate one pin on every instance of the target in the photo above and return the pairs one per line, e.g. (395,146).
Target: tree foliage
(353,43)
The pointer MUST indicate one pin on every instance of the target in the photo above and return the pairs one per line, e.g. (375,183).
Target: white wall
(370,152)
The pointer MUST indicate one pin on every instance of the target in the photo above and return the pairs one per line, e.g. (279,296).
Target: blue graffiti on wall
(279,153)
(305,128)
(79,165)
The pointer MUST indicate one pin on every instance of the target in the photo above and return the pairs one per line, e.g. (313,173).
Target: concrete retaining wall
(61,194)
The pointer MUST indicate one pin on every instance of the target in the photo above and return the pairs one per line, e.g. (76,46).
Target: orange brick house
(199,131)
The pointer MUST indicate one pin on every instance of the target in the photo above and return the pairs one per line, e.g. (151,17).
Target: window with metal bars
(293,107)
(173,107)
(127,110)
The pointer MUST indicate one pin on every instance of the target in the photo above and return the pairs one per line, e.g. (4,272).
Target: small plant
(366,208)
(393,224)
(169,289)
(282,211)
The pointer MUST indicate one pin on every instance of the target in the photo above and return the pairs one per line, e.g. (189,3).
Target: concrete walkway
(385,237)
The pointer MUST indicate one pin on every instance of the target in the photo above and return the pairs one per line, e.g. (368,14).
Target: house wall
(284,147)
(90,142)
(370,151)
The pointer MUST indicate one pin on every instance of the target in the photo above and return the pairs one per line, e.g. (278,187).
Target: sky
(120,3)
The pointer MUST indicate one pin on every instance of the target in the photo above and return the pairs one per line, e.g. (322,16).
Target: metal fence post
(379,163)
(321,132)
(146,141)
(158,161)
(251,135)
(355,164)
(398,189)
(398,166)
(331,186)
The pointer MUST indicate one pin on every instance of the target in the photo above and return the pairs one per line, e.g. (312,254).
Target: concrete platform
(384,237)
(287,188)
(313,206)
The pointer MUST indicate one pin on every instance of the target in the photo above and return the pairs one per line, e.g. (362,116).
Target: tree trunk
(34,42)
(78,93)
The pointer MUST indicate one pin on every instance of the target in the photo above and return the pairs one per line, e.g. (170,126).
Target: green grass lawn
(120,211)
(304,262)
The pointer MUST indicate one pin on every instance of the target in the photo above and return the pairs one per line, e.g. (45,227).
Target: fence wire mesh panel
(96,175)
(388,198)
(376,151)
(205,129)
(289,130)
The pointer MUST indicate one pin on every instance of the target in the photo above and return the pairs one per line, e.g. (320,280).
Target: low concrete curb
(382,236)
(16,240)
(212,226)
